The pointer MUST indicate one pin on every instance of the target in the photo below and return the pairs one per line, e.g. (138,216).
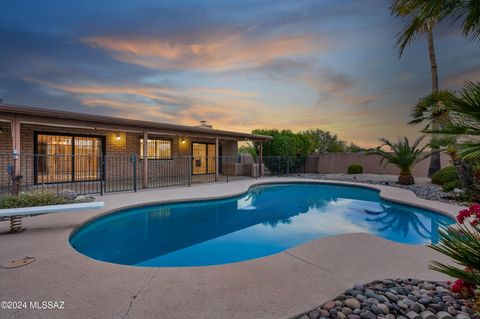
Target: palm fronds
(401,154)
(467,12)
(463,246)
(463,120)
(431,108)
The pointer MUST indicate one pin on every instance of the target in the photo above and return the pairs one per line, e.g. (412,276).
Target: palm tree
(463,121)
(416,25)
(431,108)
(403,155)
(467,12)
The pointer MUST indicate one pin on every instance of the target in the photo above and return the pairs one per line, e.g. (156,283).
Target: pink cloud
(218,53)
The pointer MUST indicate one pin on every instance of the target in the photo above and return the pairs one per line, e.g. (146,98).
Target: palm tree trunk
(433,60)
(435,164)
(406,178)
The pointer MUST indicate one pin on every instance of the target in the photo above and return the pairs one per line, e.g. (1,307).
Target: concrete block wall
(334,163)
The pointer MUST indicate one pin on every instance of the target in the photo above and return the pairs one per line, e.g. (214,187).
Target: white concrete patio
(278,286)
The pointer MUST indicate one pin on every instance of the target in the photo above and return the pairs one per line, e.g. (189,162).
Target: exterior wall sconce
(183,141)
(118,137)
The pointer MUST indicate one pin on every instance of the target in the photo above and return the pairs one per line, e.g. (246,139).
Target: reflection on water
(267,220)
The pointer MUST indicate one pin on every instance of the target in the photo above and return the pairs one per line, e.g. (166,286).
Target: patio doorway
(203,158)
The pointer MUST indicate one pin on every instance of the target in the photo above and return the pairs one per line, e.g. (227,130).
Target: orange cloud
(236,110)
(217,54)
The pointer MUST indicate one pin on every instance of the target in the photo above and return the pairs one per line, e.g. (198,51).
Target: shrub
(450,186)
(462,244)
(355,169)
(32,198)
(446,175)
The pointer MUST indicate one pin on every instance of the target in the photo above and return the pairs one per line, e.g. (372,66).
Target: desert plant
(450,186)
(248,149)
(403,155)
(462,244)
(464,120)
(30,199)
(355,169)
(445,175)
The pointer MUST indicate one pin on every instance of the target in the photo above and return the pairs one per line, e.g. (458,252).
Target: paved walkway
(277,286)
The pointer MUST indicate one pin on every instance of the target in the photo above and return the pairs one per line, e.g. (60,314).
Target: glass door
(67,158)
(203,158)
(199,157)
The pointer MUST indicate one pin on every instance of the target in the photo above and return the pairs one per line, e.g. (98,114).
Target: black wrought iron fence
(92,174)
(283,165)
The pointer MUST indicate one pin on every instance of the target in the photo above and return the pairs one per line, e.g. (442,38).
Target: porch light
(118,138)
(183,141)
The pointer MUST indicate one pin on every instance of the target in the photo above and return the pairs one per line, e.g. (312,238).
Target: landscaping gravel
(390,299)
(422,189)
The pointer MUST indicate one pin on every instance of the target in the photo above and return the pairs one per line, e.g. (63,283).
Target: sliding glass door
(67,158)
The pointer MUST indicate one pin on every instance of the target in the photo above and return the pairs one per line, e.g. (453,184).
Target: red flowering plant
(462,244)
(470,214)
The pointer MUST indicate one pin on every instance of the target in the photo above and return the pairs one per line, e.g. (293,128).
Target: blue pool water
(266,220)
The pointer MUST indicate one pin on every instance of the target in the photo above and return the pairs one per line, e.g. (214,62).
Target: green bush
(446,175)
(355,169)
(32,198)
(450,186)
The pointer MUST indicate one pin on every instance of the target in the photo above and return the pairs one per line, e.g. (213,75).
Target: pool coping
(278,286)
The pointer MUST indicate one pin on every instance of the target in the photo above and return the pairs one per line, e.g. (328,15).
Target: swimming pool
(266,220)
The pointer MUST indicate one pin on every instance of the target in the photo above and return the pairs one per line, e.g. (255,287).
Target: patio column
(145,160)
(16,143)
(217,173)
(260,160)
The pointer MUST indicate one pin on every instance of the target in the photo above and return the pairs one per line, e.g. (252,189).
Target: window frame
(155,158)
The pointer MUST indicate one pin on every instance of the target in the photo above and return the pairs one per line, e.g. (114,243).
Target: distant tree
(323,141)
(284,143)
(352,148)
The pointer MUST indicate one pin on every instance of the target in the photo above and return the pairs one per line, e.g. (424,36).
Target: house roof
(50,116)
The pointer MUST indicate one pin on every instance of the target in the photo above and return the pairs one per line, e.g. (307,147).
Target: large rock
(352,303)
(67,194)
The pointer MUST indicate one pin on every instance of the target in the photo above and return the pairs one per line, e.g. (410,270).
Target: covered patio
(97,154)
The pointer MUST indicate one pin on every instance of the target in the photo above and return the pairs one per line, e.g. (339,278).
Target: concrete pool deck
(277,286)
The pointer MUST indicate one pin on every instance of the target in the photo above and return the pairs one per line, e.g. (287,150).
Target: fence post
(134,161)
(102,173)
(278,167)
(288,165)
(189,170)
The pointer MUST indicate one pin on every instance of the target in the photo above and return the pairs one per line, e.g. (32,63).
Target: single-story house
(48,147)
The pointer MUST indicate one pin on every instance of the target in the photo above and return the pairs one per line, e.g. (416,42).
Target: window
(157,149)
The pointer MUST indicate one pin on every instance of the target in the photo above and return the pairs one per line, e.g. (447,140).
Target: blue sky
(238,64)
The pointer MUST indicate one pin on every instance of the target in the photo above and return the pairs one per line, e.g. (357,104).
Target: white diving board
(37,210)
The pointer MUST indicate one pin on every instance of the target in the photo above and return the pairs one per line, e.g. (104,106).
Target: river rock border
(400,298)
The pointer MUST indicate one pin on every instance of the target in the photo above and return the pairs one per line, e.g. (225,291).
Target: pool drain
(19,262)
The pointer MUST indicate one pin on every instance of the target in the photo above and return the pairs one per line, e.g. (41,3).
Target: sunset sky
(239,65)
